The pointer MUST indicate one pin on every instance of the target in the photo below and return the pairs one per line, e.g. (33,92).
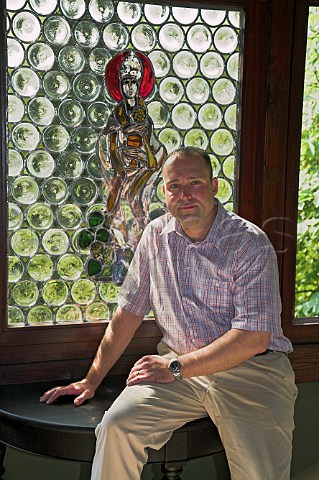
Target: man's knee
(112,422)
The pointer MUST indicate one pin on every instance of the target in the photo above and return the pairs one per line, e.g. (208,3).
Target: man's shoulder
(157,225)
(153,231)
(235,226)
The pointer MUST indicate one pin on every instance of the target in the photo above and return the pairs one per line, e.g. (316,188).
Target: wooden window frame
(307,329)
(266,195)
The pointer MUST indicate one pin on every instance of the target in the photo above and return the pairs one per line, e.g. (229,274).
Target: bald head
(189,152)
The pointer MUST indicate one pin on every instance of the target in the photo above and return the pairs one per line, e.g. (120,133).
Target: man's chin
(187,219)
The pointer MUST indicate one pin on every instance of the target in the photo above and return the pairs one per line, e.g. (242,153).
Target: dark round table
(67,432)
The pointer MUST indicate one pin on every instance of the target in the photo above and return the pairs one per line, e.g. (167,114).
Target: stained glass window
(58,106)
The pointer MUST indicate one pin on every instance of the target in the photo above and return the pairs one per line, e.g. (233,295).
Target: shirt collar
(213,235)
(172,226)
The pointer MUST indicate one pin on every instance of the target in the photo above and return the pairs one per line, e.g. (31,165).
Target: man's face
(189,192)
(129,87)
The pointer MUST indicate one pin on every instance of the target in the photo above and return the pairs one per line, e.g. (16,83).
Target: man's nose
(185,192)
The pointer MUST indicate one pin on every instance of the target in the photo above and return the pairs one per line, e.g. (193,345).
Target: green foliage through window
(307,270)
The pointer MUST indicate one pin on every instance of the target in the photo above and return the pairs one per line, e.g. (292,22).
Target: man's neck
(196,234)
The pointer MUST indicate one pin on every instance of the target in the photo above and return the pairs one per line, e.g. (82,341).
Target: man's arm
(229,350)
(116,338)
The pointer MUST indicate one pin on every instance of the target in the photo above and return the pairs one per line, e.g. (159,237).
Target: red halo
(112,76)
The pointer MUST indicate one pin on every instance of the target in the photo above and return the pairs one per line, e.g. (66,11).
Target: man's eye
(195,182)
(173,186)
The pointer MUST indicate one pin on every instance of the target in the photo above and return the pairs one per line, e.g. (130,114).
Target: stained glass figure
(130,155)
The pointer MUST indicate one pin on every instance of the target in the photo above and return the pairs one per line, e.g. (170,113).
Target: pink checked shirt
(198,291)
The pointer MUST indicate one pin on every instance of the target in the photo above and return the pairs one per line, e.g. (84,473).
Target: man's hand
(150,369)
(82,389)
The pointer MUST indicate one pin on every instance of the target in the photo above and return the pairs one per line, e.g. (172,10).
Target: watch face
(174,366)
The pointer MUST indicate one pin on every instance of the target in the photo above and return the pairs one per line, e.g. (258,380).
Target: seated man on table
(211,279)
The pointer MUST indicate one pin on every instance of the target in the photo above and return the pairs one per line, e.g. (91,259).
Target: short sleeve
(256,295)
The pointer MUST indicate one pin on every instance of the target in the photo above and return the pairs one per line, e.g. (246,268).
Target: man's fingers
(135,379)
(86,395)
(52,395)
(138,362)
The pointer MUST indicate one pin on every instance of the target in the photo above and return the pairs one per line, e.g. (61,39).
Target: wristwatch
(175,367)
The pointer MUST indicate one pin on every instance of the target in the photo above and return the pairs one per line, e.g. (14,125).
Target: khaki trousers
(251,404)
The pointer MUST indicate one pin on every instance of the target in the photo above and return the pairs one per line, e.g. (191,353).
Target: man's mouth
(186,208)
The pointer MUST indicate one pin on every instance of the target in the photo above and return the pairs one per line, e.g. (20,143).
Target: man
(210,278)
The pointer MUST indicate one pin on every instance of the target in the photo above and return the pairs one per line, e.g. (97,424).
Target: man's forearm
(115,340)
(233,348)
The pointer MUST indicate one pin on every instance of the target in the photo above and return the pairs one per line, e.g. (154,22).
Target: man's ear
(215,185)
